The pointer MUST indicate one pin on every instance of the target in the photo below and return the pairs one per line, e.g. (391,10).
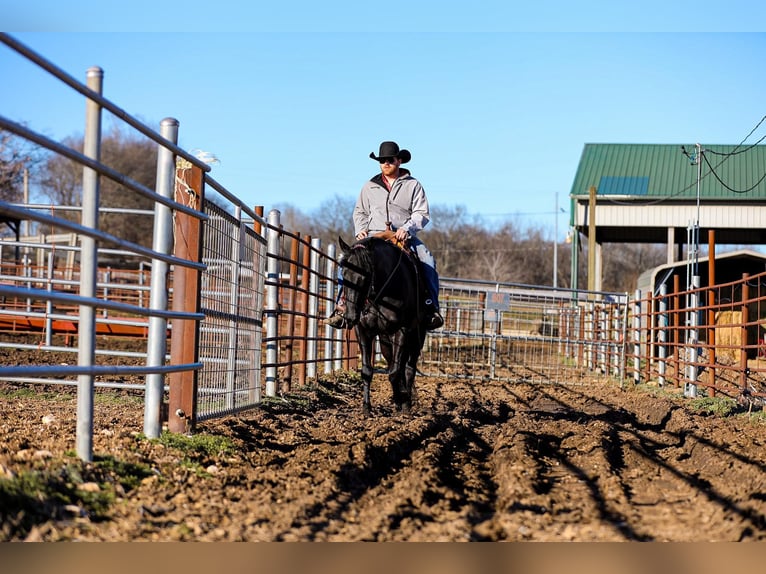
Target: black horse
(385,299)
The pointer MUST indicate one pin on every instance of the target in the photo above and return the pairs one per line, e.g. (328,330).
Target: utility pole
(556,245)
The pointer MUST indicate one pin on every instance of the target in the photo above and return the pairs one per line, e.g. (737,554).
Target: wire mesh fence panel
(231,298)
(525,334)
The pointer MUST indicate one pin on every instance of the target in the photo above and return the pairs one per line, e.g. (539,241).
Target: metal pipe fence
(707,341)
(224,309)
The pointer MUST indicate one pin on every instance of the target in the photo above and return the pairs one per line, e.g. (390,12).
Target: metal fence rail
(91,239)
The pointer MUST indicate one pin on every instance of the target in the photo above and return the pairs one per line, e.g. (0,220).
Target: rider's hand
(402,234)
(362,234)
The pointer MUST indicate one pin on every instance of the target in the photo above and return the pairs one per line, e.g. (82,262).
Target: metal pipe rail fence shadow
(706,341)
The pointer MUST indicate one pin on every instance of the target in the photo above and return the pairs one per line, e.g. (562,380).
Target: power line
(725,157)
(704,156)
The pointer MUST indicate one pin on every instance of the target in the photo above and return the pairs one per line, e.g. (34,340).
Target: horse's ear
(345,247)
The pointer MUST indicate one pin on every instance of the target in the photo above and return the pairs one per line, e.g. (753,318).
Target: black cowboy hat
(391,149)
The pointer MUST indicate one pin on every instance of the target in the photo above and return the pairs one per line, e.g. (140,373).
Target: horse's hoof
(404,408)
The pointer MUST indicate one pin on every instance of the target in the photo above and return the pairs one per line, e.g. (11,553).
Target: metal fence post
(692,338)
(272,302)
(234,307)
(662,335)
(311,367)
(86,350)
(329,292)
(162,242)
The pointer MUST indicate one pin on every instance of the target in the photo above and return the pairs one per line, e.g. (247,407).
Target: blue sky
(495,105)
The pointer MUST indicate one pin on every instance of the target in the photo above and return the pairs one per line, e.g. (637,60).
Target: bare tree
(17,156)
(131,155)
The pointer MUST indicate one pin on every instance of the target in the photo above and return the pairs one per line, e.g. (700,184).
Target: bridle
(371,294)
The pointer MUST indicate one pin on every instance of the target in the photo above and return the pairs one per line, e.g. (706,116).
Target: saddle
(390,236)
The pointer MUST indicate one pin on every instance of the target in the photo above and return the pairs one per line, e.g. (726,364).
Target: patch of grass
(128,474)
(755,417)
(198,445)
(36,496)
(113,398)
(720,406)
(32,392)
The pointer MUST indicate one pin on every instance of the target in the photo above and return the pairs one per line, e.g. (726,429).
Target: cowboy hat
(391,149)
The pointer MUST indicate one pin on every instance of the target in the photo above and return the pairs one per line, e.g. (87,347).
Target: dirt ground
(477,461)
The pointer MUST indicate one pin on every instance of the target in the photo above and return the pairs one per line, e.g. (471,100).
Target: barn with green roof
(654,193)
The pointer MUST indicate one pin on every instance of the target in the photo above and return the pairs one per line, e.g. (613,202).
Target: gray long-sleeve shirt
(405,206)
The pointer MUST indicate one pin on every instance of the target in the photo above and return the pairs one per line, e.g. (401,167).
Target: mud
(477,461)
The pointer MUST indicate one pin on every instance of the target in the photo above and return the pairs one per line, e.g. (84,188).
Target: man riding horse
(393,200)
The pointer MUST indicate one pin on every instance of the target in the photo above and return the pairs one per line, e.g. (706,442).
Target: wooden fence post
(184,339)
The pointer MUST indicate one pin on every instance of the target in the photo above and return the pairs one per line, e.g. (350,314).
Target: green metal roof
(654,171)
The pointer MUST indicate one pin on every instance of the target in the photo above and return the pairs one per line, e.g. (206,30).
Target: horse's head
(356,261)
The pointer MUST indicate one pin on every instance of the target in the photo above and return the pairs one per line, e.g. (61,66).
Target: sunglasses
(390,160)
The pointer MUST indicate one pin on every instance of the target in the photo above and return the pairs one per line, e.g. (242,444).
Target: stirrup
(336,320)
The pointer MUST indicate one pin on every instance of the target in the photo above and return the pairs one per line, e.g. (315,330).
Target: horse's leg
(396,366)
(413,345)
(366,348)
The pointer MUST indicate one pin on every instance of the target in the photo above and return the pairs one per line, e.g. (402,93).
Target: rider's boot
(433,319)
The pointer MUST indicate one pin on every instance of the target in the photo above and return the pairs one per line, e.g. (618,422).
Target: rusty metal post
(257,224)
(743,344)
(182,401)
(304,306)
(711,311)
(676,332)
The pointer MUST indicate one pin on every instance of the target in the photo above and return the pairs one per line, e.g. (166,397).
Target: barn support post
(162,242)
(86,350)
(184,339)
(272,302)
(592,239)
